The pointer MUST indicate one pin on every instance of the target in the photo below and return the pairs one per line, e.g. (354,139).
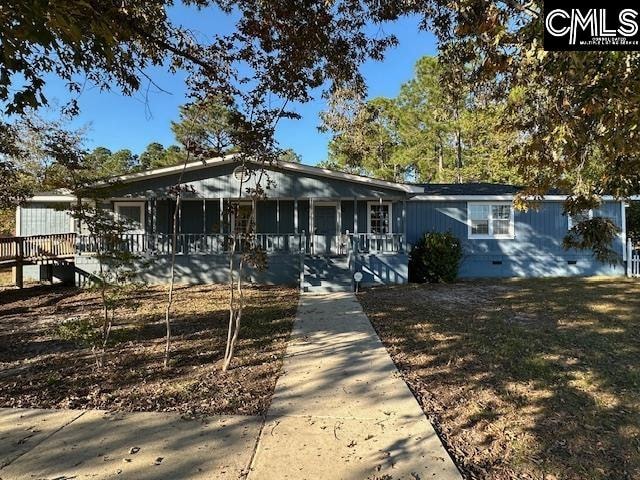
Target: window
(573,220)
(133,214)
(241,173)
(490,220)
(379,218)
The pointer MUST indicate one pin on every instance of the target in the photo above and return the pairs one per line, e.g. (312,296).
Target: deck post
(295,216)
(19,261)
(277,216)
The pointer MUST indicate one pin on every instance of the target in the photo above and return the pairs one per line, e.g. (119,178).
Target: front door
(325,229)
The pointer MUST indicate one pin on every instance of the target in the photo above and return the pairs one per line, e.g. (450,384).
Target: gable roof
(290,166)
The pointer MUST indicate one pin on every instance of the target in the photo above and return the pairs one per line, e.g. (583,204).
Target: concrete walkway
(65,444)
(340,409)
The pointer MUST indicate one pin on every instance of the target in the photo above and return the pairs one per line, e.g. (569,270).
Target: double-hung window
(132,213)
(490,220)
(379,218)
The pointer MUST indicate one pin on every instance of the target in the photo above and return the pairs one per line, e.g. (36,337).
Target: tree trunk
(172,275)
(174,246)
(235,315)
(440,160)
(459,155)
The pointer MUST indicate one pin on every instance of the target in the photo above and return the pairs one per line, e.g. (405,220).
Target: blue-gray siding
(201,269)
(218,181)
(37,218)
(536,249)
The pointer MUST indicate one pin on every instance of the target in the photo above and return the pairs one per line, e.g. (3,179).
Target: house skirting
(199,269)
(531,266)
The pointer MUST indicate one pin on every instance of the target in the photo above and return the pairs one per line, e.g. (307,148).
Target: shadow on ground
(39,370)
(523,378)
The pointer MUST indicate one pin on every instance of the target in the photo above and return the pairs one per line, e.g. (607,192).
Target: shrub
(81,331)
(435,258)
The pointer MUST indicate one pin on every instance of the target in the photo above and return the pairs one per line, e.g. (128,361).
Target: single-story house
(322,225)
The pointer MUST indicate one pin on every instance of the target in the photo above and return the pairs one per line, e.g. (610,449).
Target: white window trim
(570,223)
(490,236)
(369,204)
(140,205)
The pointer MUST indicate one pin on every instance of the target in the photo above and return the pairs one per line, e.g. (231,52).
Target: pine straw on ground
(527,379)
(37,369)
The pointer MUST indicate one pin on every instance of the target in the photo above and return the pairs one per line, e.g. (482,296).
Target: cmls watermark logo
(574,26)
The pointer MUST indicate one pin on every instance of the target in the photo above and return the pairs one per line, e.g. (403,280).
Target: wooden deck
(36,250)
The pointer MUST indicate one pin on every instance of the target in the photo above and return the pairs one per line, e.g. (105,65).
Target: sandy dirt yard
(39,369)
(526,379)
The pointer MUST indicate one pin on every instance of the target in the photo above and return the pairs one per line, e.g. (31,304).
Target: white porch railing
(378,243)
(633,260)
(215,243)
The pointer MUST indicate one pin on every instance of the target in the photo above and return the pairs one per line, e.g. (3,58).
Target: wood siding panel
(37,218)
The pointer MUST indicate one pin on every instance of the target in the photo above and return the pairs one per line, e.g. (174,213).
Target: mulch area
(39,370)
(523,379)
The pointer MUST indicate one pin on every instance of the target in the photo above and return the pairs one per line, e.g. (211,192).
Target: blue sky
(117,121)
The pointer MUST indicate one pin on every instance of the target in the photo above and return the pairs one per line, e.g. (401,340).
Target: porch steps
(325,274)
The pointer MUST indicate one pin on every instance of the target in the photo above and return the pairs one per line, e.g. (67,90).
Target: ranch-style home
(317,226)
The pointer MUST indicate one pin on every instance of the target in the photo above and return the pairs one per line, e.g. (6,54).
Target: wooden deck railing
(37,247)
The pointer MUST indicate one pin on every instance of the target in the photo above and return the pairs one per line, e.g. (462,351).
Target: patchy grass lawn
(37,369)
(527,379)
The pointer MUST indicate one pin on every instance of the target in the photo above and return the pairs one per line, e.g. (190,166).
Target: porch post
(254,214)
(295,216)
(278,216)
(311,223)
(355,215)
(155,215)
(339,217)
(204,215)
(404,223)
(148,225)
(221,215)
(179,204)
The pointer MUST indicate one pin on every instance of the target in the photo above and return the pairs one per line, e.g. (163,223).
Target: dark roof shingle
(469,188)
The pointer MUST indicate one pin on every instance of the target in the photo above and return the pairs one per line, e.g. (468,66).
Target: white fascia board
(296,167)
(503,198)
(350,177)
(52,198)
(159,172)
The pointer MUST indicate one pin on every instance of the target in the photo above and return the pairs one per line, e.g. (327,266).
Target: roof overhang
(289,166)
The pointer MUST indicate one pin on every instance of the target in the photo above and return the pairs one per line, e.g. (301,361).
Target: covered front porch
(311,226)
